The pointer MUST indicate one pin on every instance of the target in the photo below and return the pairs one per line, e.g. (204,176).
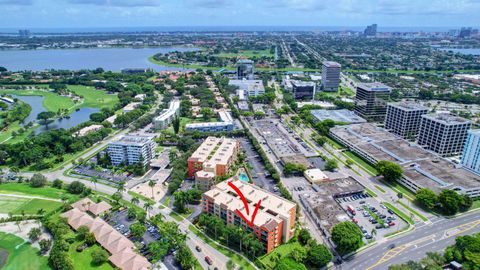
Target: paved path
(29,197)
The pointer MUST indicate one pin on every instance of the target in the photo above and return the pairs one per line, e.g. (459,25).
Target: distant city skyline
(171,13)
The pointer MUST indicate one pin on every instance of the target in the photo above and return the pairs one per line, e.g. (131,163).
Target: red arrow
(245,203)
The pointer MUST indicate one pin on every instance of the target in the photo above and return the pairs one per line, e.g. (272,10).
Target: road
(414,245)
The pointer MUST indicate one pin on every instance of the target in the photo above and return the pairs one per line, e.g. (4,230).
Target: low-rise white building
(167,115)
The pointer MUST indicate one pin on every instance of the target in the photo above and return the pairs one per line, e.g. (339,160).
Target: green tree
(426,198)
(287,263)
(151,184)
(99,256)
(45,117)
(76,187)
(450,201)
(304,236)
(38,180)
(138,229)
(90,239)
(44,245)
(184,257)
(34,234)
(176,125)
(331,164)
(347,236)
(390,171)
(319,256)
(158,249)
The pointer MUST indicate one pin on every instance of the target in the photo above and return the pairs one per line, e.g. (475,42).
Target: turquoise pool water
(243,177)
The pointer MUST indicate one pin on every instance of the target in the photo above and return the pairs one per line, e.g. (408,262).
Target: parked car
(390,211)
(208,260)
(391,224)
(198,248)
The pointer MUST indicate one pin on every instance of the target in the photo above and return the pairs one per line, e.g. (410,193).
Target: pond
(75,118)
(113,59)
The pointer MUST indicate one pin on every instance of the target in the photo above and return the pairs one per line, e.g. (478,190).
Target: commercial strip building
(404,119)
(322,206)
(131,149)
(166,117)
(245,69)
(248,88)
(338,116)
(122,250)
(274,222)
(371,101)
(225,124)
(214,157)
(330,76)
(303,90)
(471,152)
(422,168)
(443,133)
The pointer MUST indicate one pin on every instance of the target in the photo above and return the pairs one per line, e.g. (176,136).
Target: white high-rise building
(167,115)
(471,152)
(131,149)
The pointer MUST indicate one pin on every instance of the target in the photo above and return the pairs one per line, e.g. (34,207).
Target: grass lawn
(283,250)
(51,102)
(29,206)
(369,168)
(333,143)
(94,98)
(21,256)
(399,213)
(371,193)
(176,216)
(475,204)
(407,194)
(380,188)
(167,200)
(237,259)
(413,211)
(140,197)
(83,260)
(25,189)
(247,53)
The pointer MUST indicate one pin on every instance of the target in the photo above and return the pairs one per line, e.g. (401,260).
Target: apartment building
(166,117)
(131,149)
(404,119)
(248,88)
(214,157)
(303,90)
(245,69)
(274,222)
(371,101)
(471,152)
(443,133)
(330,76)
(225,124)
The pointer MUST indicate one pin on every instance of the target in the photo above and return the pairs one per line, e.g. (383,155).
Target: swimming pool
(243,177)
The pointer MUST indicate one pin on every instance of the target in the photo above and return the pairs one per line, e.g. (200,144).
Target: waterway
(113,59)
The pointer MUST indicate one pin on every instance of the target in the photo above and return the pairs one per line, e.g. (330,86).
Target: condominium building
(371,101)
(371,30)
(274,222)
(225,124)
(214,157)
(330,76)
(245,69)
(166,117)
(303,90)
(443,133)
(248,88)
(131,149)
(404,119)
(471,152)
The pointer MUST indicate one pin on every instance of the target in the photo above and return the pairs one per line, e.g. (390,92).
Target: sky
(140,13)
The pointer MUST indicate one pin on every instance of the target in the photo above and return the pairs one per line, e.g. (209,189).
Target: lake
(113,59)
(462,51)
(36,102)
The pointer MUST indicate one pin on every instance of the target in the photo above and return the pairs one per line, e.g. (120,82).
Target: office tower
(24,33)
(131,149)
(330,76)
(245,69)
(443,133)
(471,152)
(404,119)
(274,222)
(371,30)
(303,90)
(371,101)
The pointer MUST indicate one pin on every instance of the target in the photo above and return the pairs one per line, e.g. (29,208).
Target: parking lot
(104,174)
(120,222)
(258,171)
(371,216)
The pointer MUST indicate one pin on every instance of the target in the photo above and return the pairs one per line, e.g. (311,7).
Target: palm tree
(373,232)
(121,187)
(135,200)
(18,225)
(151,184)
(40,212)
(147,206)
(94,180)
